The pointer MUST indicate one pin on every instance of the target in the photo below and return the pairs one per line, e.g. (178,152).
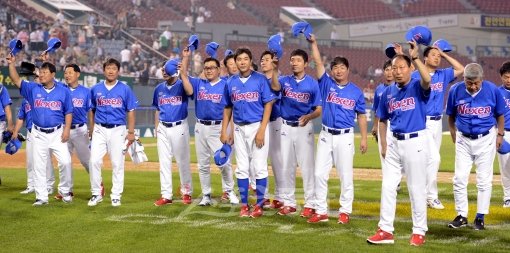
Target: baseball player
(342,102)
(504,160)
(6,123)
(171,125)
(300,103)
(230,66)
(112,102)
(274,127)
(51,116)
(475,106)
(208,94)
(440,78)
(248,100)
(404,104)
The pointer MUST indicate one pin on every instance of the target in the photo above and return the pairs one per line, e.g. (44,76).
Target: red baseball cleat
(318,218)
(381,237)
(162,201)
(186,199)
(257,212)
(287,210)
(343,218)
(307,212)
(59,196)
(276,204)
(245,211)
(417,240)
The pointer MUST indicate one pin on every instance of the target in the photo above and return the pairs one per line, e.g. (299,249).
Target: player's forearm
(13,74)
(376,124)
(268,107)
(188,88)
(458,68)
(8,117)
(316,113)
(316,56)
(131,121)
(156,119)
(383,127)
(68,121)
(452,127)
(501,124)
(227,114)
(362,122)
(18,126)
(275,83)
(425,76)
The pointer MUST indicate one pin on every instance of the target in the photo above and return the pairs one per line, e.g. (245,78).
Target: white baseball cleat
(67,198)
(95,199)
(116,202)
(50,191)
(233,198)
(506,204)
(435,204)
(39,202)
(28,190)
(206,200)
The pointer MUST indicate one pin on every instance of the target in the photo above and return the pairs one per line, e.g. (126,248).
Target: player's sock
(480,216)
(261,190)
(243,185)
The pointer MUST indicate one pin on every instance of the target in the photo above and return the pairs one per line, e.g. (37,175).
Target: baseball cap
(211,49)
(421,34)
(390,51)
(193,42)
(228,52)
(27,69)
(505,148)
(171,67)
(274,45)
(12,147)
(222,155)
(53,44)
(16,46)
(443,45)
(302,27)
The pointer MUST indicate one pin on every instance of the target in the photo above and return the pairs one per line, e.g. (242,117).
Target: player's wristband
(503,134)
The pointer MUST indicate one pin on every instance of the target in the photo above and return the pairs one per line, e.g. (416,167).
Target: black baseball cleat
(479,224)
(458,222)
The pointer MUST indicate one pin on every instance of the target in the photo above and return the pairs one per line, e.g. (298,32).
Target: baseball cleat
(225,196)
(116,202)
(50,191)
(162,201)
(266,204)
(39,202)
(28,190)
(417,240)
(67,198)
(343,218)
(506,203)
(307,212)
(399,188)
(435,204)
(318,218)
(287,210)
(276,204)
(206,200)
(257,212)
(478,224)
(245,211)
(233,198)
(186,199)
(458,222)
(94,200)
(381,237)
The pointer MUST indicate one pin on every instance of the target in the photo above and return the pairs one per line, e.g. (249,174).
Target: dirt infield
(18,161)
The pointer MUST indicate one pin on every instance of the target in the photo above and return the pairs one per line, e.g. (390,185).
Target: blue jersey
(340,103)
(506,96)
(298,97)
(208,98)
(438,83)
(24,114)
(111,105)
(48,107)
(5,100)
(404,107)
(248,98)
(377,96)
(475,114)
(171,101)
(81,103)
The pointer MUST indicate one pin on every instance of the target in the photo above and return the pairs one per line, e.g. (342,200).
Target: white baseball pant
(410,156)
(298,150)
(79,141)
(335,150)
(481,152)
(379,144)
(43,145)
(275,155)
(248,154)
(435,133)
(111,141)
(504,169)
(50,174)
(207,142)
(174,142)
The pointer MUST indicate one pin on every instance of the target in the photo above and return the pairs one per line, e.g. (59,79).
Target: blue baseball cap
(222,155)
(53,44)
(505,148)
(390,51)
(193,42)
(171,67)
(274,45)
(12,147)
(421,34)
(211,49)
(302,27)
(16,46)
(228,52)
(443,45)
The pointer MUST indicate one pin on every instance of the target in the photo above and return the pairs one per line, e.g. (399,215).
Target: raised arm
(316,56)
(188,88)
(275,83)
(13,73)
(458,68)
(425,77)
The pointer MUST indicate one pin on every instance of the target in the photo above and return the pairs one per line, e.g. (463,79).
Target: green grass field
(138,226)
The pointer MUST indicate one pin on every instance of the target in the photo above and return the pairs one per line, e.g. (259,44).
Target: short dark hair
(340,60)
(49,66)
(505,68)
(111,61)
(243,50)
(303,54)
(405,57)
(254,66)
(212,59)
(427,51)
(75,67)
(228,57)
(267,52)
(387,64)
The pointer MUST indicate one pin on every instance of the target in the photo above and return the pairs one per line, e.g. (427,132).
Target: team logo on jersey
(27,107)
(175,100)
(344,102)
(298,96)
(203,95)
(78,102)
(251,96)
(481,111)
(403,105)
(507,102)
(436,86)
(52,105)
(113,102)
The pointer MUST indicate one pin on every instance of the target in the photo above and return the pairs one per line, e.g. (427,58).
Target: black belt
(434,117)
(403,136)
(245,123)
(507,129)
(77,125)
(336,131)
(273,119)
(110,125)
(475,136)
(171,124)
(47,130)
(291,123)
(209,122)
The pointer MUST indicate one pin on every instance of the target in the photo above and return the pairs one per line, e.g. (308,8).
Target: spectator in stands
(155,45)
(136,48)
(125,58)
(167,33)
(59,17)
(335,35)
(197,63)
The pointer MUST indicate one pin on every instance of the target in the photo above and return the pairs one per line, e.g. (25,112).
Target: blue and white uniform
(48,110)
(504,160)
(171,103)
(5,101)
(475,120)
(298,98)
(407,150)
(247,97)
(110,105)
(440,79)
(340,106)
